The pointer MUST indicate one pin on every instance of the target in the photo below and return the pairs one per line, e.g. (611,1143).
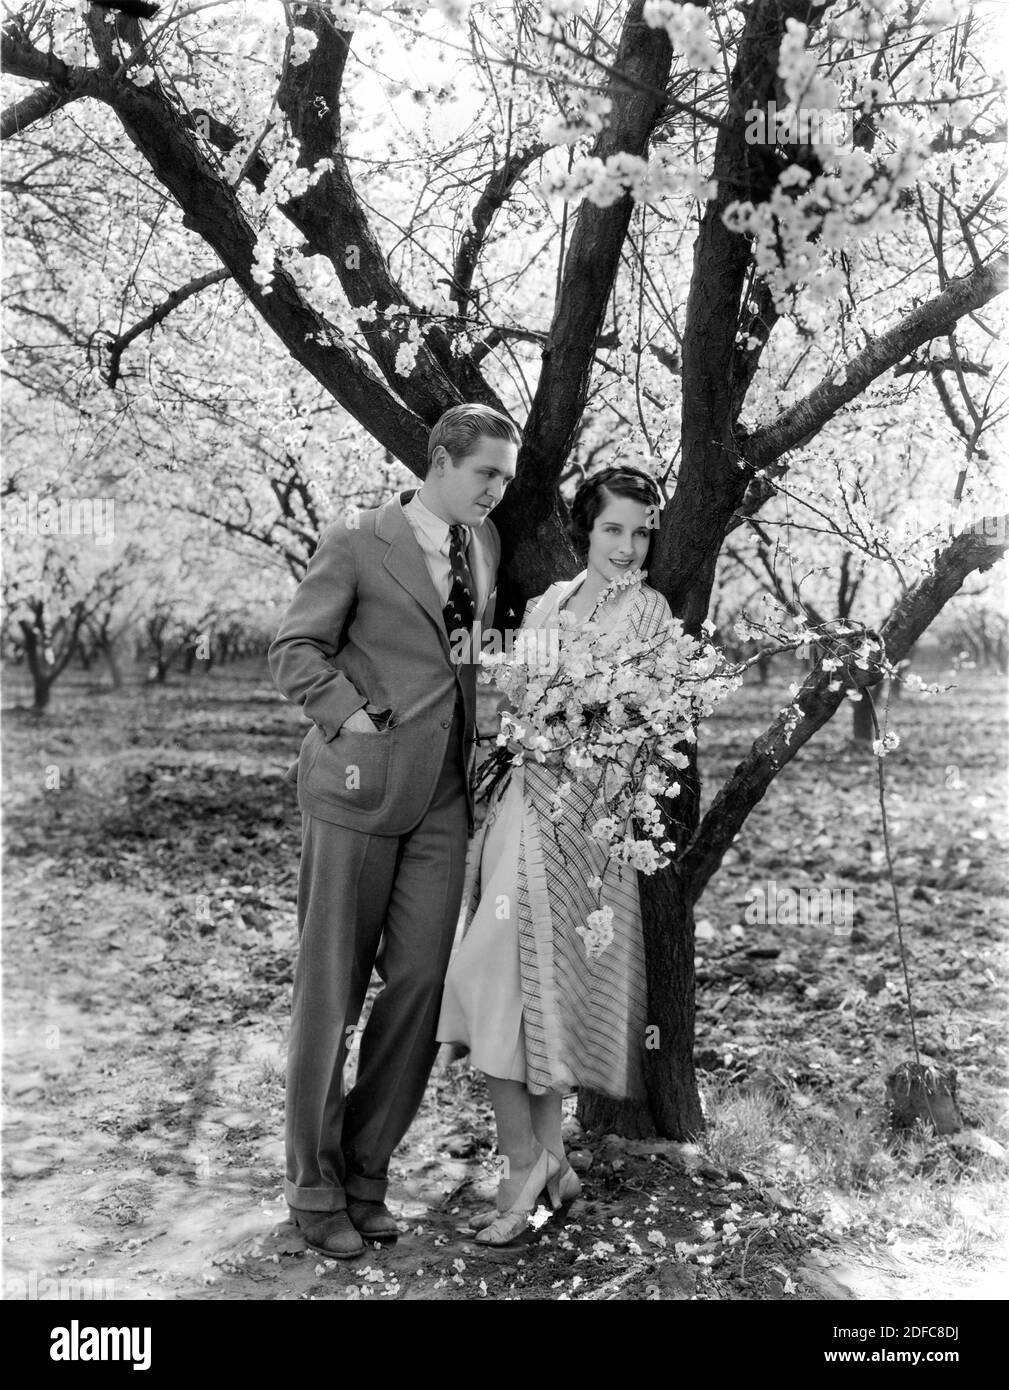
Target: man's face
(467,491)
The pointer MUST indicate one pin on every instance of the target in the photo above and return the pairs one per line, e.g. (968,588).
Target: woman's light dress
(520,992)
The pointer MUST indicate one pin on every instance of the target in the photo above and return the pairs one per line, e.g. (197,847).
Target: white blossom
(303,45)
(687,27)
(886,744)
(597,932)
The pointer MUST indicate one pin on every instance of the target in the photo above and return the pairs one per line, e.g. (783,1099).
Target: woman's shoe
(483,1219)
(563,1188)
(507,1226)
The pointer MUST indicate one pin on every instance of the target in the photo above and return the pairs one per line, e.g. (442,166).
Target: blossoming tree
(720,240)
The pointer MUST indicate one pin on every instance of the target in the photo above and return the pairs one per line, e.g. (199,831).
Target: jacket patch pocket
(352,769)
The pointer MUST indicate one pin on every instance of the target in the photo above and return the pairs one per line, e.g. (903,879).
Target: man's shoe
(373,1220)
(328,1233)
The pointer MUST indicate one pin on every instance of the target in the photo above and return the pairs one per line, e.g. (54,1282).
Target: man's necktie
(460,609)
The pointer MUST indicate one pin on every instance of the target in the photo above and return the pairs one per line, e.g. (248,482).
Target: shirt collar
(432,525)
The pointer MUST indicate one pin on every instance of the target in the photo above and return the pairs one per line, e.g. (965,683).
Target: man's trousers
(364,901)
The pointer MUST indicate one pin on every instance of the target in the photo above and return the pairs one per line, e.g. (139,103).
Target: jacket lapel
(480,563)
(566,588)
(405,561)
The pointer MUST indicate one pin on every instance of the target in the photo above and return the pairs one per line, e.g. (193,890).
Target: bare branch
(938,316)
(64,83)
(36,105)
(330,214)
(119,345)
(970,551)
(940,364)
(710,483)
(591,264)
(22,60)
(213,211)
(497,192)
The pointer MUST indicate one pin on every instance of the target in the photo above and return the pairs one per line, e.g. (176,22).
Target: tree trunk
(42,687)
(42,676)
(709,488)
(112,661)
(42,682)
(673,1107)
(862,730)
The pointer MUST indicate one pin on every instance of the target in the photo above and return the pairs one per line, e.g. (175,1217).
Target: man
(383,784)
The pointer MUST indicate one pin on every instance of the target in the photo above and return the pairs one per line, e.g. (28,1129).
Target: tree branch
(19,115)
(499,188)
(500,332)
(710,484)
(971,550)
(938,316)
(635,90)
(119,345)
(212,210)
(332,217)
(940,364)
(22,60)
(758,324)
(64,83)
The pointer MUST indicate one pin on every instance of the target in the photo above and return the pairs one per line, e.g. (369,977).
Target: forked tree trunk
(44,672)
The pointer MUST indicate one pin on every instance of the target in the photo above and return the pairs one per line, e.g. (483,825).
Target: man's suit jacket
(366,626)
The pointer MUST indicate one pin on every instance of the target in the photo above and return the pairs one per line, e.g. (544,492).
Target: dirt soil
(151,859)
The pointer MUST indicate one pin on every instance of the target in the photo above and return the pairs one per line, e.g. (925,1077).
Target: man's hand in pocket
(359,723)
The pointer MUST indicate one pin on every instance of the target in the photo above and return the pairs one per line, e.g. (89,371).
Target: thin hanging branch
(157,315)
(881,776)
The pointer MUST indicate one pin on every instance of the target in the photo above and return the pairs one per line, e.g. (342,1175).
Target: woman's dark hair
(598,491)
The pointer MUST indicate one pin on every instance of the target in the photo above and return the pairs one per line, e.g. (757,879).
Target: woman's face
(618,541)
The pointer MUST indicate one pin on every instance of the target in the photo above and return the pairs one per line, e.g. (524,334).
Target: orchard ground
(151,861)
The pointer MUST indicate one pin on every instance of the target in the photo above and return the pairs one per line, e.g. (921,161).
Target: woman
(538,1016)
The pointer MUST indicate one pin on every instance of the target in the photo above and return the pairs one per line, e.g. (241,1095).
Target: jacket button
(446,723)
